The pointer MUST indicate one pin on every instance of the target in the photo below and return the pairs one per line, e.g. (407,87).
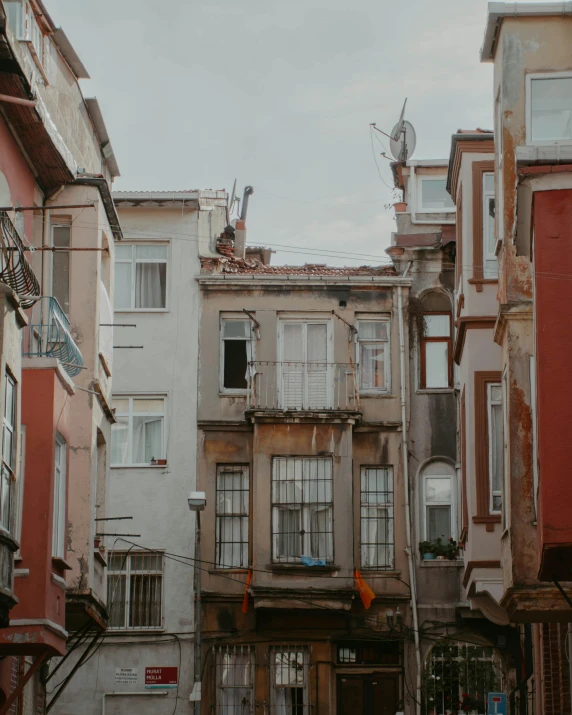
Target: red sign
(161,676)
(496,700)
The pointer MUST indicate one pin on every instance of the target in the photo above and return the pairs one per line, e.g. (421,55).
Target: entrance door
(367,695)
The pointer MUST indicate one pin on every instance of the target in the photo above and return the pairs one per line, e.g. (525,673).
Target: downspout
(404,453)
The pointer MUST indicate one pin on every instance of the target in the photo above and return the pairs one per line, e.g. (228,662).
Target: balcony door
(305,367)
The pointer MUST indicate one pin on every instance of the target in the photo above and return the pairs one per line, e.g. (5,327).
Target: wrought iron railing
(302,386)
(15,270)
(49,335)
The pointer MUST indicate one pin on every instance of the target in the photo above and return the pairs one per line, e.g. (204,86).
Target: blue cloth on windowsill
(309,561)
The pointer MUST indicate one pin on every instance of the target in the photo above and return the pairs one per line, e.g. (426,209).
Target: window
(135,589)
(15,15)
(236,353)
(495,439)
(434,197)
(457,678)
(232,509)
(305,373)
(368,653)
(141,276)
(60,487)
(373,355)
(377,518)
(61,238)
(8,449)
(435,346)
(549,108)
(234,677)
(490,264)
(438,488)
(137,438)
(302,509)
(289,668)
(499,206)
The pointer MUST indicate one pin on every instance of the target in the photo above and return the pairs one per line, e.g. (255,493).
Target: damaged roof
(255,267)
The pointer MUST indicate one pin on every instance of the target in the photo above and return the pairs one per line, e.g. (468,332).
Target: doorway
(374,694)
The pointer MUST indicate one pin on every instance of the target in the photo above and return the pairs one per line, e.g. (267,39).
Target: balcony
(15,270)
(303,386)
(49,335)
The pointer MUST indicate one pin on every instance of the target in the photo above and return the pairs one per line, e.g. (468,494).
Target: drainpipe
(128,693)
(404,452)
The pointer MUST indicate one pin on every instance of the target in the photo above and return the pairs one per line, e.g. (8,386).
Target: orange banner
(365,592)
(245,599)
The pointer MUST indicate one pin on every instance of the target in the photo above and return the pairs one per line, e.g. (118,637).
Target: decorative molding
(480,322)
(471,565)
(459,242)
(49,625)
(475,146)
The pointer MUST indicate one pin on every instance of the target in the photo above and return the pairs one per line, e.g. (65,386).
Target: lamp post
(197,502)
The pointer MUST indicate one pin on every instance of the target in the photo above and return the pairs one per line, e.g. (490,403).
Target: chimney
(240,235)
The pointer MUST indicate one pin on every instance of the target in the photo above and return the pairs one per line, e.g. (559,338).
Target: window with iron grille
(8,449)
(232,510)
(377,518)
(458,677)
(289,678)
(302,516)
(135,589)
(369,653)
(234,677)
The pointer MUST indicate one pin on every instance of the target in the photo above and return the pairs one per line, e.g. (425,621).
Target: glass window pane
(120,404)
(372,366)
(488,182)
(372,330)
(436,364)
(438,522)
(317,342)
(147,439)
(434,194)
(236,328)
(123,252)
(123,272)
(496,438)
(152,251)
(150,285)
(148,405)
(496,393)
(61,279)
(437,326)
(551,109)
(61,236)
(120,441)
(438,489)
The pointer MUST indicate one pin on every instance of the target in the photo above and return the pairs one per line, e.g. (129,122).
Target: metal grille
(302,520)
(134,590)
(232,509)
(458,677)
(234,676)
(377,547)
(14,267)
(289,674)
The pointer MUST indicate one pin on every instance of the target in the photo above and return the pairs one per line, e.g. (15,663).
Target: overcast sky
(280,95)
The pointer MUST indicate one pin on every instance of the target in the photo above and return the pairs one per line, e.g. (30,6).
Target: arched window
(438,491)
(436,367)
(457,678)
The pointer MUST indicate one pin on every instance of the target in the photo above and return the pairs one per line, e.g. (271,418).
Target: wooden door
(367,695)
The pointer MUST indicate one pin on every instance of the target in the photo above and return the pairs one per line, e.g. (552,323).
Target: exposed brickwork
(248,265)
(555,670)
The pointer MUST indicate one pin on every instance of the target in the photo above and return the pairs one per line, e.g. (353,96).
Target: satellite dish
(403,147)
(396,133)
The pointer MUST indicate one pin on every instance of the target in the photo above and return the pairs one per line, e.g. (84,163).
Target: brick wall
(555,669)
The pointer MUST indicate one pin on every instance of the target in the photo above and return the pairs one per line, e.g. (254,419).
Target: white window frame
(486,224)
(9,462)
(133,262)
(60,488)
(275,686)
(419,208)
(131,397)
(506,464)
(529,80)
(388,507)
(428,473)
(387,366)
(126,571)
(326,320)
(233,317)
(490,403)
(499,204)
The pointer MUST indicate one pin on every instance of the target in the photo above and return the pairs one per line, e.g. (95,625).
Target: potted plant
(427,550)
(451,549)
(156,462)
(439,549)
(400,207)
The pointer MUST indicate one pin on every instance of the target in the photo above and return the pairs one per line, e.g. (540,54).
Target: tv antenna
(402,140)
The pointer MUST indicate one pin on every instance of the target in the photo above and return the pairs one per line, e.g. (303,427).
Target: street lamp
(197,502)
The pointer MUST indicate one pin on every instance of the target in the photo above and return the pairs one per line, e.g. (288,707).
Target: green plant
(427,547)
(450,549)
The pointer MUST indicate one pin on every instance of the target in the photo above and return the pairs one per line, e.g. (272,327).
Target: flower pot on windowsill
(440,557)
(400,207)
(158,462)
(428,556)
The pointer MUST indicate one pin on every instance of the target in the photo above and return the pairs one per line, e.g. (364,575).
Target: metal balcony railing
(49,335)
(303,386)
(15,270)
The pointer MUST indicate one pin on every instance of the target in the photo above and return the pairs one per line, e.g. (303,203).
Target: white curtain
(150,285)
(321,532)
(120,442)
(289,533)
(289,700)
(147,439)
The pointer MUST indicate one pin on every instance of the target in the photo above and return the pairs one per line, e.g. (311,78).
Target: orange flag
(365,592)
(245,599)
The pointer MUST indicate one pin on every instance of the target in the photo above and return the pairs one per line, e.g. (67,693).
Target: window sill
(435,390)
(141,310)
(128,631)
(445,563)
(299,568)
(378,395)
(138,466)
(61,564)
(238,393)
(379,573)
(99,556)
(219,572)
